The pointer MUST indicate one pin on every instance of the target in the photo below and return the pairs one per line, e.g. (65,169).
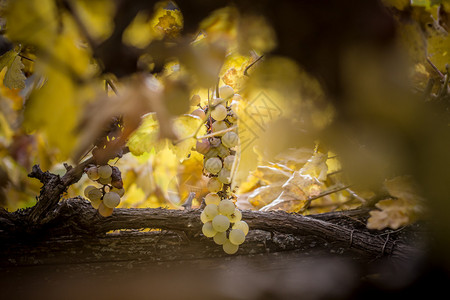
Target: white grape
(219,113)
(88,189)
(204,218)
(104,171)
(236,216)
(217,101)
(229,247)
(111,199)
(214,185)
(195,100)
(199,113)
(215,141)
(202,146)
(219,126)
(226,91)
(242,225)
(212,198)
(92,173)
(237,236)
(211,210)
(230,139)
(104,210)
(220,223)
(224,176)
(228,162)
(213,165)
(96,204)
(223,151)
(208,229)
(104,181)
(95,194)
(120,192)
(226,207)
(220,238)
(212,153)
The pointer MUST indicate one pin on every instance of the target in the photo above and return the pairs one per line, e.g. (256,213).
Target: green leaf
(14,77)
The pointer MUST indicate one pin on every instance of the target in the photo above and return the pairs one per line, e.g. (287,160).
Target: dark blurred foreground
(272,276)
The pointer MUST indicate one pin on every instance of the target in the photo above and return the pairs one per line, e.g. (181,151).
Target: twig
(251,65)
(435,68)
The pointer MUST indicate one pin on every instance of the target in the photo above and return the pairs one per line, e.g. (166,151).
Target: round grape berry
(211,210)
(88,189)
(215,141)
(199,113)
(213,165)
(217,101)
(229,247)
(242,225)
(208,230)
(219,126)
(212,153)
(236,216)
(224,176)
(203,146)
(96,204)
(105,181)
(95,194)
(230,139)
(214,185)
(228,162)
(223,151)
(220,238)
(111,199)
(219,113)
(204,218)
(237,236)
(92,173)
(226,207)
(226,91)
(120,192)
(220,223)
(195,100)
(104,210)
(212,198)
(104,171)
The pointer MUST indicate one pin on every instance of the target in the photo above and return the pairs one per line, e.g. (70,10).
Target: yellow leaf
(264,195)
(32,22)
(316,167)
(144,139)
(295,193)
(97,17)
(53,109)
(403,210)
(14,77)
(185,126)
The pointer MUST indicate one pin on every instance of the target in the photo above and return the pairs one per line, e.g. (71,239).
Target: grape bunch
(222,221)
(221,218)
(106,197)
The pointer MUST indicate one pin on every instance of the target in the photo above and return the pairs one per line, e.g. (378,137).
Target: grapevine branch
(54,186)
(75,220)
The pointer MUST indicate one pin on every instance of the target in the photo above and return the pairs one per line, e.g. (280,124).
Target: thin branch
(436,69)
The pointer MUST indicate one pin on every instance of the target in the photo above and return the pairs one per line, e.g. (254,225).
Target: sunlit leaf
(14,77)
(406,206)
(185,127)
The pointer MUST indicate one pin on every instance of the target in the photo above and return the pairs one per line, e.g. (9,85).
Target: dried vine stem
(54,186)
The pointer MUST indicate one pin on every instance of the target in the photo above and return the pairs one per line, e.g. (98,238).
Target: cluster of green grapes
(106,197)
(221,218)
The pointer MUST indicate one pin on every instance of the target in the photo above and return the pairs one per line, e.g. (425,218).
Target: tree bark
(78,235)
